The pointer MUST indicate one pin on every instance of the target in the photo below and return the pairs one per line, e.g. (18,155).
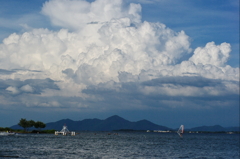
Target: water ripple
(123,145)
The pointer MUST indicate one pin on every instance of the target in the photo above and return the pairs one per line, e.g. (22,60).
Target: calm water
(123,145)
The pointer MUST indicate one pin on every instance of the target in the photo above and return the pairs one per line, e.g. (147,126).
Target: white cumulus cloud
(102,46)
(212,54)
(76,14)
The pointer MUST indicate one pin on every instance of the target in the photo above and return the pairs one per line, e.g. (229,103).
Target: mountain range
(117,123)
(112,123)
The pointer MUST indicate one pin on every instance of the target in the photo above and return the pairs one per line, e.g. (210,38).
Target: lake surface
(124,145)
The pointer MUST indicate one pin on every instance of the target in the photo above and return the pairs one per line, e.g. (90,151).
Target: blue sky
(170,62)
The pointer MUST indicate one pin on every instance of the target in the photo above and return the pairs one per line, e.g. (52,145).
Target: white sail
(180,130)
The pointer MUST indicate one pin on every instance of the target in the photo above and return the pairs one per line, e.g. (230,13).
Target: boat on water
(181,130)
(7,133)
(65,131)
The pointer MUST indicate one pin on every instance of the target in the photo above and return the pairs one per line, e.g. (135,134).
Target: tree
(39,125)
(24,123)
(31,123)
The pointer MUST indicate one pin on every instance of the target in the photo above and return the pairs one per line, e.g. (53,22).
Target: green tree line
(30,123)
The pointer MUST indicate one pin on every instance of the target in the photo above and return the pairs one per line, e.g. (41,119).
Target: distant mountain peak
(65,120)
(115,117)
(144,120)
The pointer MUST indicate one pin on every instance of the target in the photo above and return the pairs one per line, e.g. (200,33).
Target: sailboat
(180,130)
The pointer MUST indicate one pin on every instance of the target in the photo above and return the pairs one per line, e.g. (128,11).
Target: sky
(166,61)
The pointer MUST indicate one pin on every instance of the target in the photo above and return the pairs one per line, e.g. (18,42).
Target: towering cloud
(212,54)
(76,14)
(103,47)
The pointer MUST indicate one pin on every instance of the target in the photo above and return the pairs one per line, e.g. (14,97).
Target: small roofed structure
(65,131)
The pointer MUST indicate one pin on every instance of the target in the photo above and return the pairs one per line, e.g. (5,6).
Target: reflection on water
(123,145)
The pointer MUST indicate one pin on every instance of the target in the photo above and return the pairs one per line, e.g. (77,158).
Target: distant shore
(6,129)
(185,132)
